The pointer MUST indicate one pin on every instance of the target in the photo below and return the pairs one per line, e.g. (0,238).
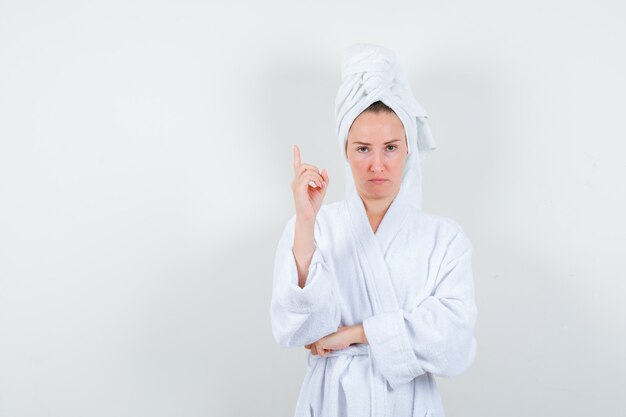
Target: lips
(378,180)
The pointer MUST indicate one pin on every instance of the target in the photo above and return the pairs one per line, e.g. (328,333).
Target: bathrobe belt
(378,384)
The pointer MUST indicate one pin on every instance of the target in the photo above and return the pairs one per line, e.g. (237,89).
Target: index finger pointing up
(296,159)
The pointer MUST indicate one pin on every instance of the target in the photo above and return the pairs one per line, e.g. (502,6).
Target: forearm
(303,248)
(358,334)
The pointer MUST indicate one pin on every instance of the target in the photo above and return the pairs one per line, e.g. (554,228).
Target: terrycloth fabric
(371,73)
(410,284)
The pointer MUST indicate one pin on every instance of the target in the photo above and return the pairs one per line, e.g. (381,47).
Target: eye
(361,147)
(393,146)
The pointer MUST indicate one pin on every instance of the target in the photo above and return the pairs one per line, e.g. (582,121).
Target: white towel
(370,73)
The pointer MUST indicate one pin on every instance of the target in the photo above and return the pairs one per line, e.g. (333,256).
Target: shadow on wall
(294,104)
(460,179)
(532,316)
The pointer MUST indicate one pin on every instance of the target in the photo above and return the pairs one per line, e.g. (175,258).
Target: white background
(145,170)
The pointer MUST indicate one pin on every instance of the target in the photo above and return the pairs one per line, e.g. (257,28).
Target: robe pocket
(423,412)
(423,404)
(429,413)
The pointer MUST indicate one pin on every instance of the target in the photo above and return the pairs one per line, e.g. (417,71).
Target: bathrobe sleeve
(436,336)
(301,316)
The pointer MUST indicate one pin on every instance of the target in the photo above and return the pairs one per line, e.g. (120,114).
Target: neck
(376,209)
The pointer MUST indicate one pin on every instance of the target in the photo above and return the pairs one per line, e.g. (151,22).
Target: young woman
(379,291)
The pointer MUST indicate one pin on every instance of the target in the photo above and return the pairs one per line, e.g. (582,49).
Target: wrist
(307,222)
(358,334)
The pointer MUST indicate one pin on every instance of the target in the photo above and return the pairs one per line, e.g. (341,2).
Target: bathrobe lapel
(370,249)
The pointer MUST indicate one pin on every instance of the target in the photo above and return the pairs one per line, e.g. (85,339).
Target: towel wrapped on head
(371,73)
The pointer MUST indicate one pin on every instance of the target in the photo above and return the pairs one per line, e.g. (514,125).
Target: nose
(377,163)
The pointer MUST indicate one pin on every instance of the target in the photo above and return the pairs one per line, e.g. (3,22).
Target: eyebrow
(365,143)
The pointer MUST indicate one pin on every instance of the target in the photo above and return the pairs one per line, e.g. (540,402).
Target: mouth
(378,180)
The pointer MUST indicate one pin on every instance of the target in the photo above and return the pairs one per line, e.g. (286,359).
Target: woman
(379,291)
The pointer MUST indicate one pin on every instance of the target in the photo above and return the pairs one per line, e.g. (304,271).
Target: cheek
(359,167)
(398,167)
(396,163)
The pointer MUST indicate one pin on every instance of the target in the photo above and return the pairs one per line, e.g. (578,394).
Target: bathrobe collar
(371,247)
(370,251)
(391,223)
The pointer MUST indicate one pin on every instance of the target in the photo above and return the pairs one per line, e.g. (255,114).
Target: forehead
(377,127)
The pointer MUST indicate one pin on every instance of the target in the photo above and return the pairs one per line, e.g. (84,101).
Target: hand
(308,199)
(341,339)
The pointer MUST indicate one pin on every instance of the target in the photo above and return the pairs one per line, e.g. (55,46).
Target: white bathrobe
(410,284)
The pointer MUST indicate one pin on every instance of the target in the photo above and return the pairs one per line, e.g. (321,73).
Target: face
(377,149)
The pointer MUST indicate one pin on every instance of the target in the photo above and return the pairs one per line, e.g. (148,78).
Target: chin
(374,191)
(376,194)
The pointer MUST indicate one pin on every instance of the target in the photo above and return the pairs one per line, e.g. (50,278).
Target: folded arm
(436,336)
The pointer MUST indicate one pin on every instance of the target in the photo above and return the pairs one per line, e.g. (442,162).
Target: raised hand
(308,199)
